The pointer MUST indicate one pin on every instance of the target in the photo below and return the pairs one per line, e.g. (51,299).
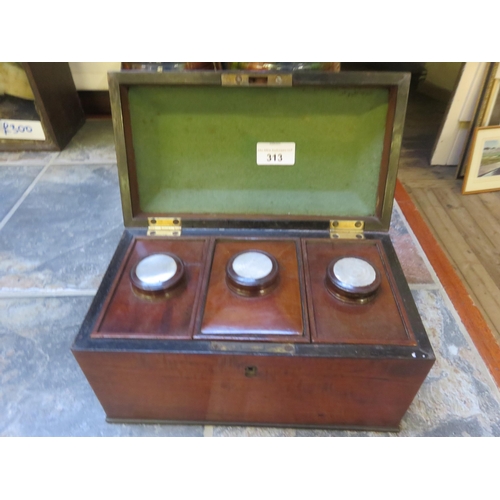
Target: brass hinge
(164,226)
(347,229)
(245,80)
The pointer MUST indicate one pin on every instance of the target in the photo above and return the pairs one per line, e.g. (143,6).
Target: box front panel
(283,390)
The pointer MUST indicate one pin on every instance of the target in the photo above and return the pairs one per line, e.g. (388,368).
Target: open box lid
(191,145)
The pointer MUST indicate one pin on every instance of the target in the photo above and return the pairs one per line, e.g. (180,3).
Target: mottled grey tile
(14,180)
(64,233)
(341,433)
(26,157)
(459,396)
(93,143)
(409,255)
(467,427)
(43,391)
(236,431)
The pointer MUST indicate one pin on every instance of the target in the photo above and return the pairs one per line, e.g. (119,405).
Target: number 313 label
(276,153)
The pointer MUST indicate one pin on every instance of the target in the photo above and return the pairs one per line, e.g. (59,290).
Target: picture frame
(491,116)
(483,168)
(487,110)
(486,114)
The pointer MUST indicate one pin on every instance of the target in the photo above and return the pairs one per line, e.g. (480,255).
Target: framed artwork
(483,168)
(491,116)
(486,114)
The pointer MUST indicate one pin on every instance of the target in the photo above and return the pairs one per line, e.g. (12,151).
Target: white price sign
(24,130)
(276,153)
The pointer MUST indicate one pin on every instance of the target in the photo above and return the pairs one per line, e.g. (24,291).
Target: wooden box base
(362,372)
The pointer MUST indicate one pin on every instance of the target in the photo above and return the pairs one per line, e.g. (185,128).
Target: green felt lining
(195,149)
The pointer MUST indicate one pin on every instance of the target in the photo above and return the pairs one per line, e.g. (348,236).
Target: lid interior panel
(195,149)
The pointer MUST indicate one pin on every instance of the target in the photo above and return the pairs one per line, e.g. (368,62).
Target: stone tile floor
(60,222)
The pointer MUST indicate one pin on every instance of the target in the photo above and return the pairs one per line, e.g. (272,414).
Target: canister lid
(252,272)
(157,272)
(252,265)
(352,279)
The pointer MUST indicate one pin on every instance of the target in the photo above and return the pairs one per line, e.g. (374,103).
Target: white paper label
(21,130)
(276,153)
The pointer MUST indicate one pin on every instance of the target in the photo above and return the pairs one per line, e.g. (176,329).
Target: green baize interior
(195,149)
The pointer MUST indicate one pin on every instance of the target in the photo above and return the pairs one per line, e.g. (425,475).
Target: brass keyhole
(250,371)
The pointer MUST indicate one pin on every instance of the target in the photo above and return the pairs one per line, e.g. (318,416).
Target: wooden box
(207,174)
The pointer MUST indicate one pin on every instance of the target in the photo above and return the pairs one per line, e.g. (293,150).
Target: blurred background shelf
(44,94)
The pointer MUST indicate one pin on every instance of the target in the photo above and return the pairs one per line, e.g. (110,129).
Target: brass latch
(347,229)
(246,80)
(164,226)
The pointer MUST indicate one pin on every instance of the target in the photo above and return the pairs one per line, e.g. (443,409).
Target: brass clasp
(256,79)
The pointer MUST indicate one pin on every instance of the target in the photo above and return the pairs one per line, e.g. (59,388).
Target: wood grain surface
(381,321)
(283,390)
(130,314)
(279,313)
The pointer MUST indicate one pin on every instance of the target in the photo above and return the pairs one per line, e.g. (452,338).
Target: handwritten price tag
(276,153)
(24,130)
